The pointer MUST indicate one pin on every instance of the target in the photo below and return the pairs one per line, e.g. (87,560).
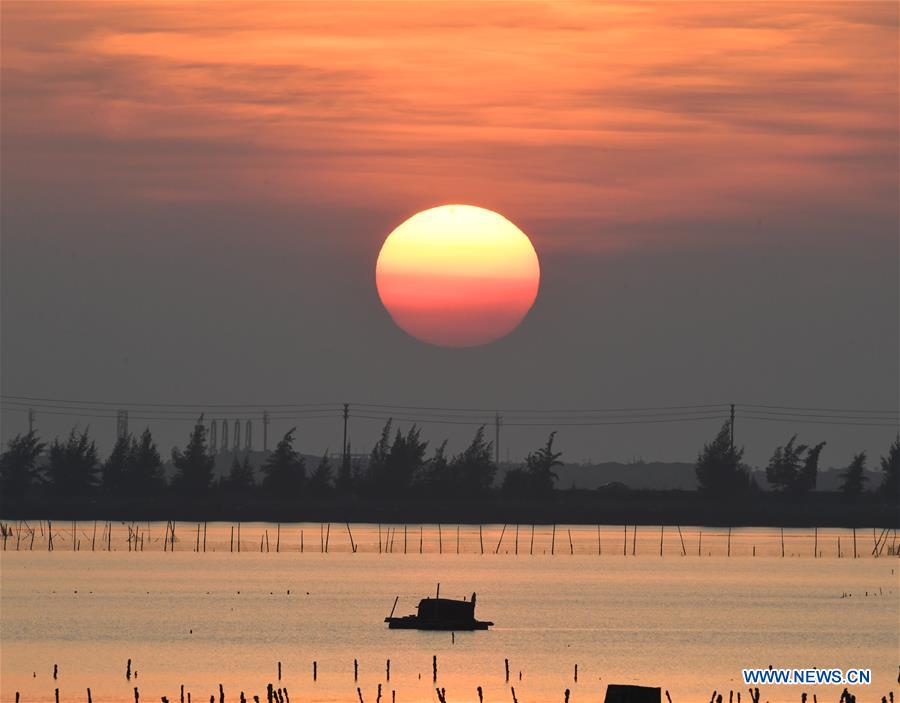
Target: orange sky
(194,195)
(590,123)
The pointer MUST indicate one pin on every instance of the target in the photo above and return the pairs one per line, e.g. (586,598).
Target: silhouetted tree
(393,470)
(194,466)
(890,467)
(240,478)
(144,474)
(284,471)
(113,473)
(18,464)
(793,468)
(719,468)
(474,470)
(73,466)
(436,477)
(320,480)
(854,476)
(537,476)
(344,482)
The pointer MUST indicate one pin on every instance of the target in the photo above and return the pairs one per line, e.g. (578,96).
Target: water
(686,623)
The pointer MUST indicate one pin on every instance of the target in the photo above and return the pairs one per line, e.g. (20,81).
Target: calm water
(686,623)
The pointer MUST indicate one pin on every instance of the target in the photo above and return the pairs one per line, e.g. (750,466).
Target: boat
(439,614)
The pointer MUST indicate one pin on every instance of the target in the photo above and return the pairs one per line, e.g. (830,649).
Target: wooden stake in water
(634,541)
(421,539)
(571,546)
(681,537)
(481,539)
(352,543)
(531,549)
(553,540)
(782,542)
(517,539)
(661,533)
(854,543)
(729,541)
(816,544)
(500,541)
(440,540)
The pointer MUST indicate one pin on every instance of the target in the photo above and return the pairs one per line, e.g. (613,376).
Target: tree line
(399,465)
(792,469)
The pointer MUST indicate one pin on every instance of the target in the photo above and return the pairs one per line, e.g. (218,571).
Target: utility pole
(30,420)
(497,439)
(121,424)
(732,429)
(344,456)
(265,424)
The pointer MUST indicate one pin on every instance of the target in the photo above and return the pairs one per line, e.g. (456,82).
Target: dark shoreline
(565,507)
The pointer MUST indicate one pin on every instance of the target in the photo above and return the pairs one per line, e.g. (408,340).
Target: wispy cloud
(621,114)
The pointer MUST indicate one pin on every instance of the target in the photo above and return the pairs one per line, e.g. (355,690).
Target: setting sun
(457,275)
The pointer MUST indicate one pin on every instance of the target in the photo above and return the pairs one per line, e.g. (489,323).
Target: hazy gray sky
(193,202)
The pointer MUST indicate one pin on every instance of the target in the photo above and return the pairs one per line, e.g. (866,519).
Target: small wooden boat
(439,614)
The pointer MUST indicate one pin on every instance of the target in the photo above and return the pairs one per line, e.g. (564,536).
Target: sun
(457,276)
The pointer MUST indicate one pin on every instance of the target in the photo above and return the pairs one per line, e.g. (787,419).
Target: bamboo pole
(500,541)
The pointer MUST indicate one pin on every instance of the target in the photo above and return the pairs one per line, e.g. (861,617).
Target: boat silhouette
(439,614)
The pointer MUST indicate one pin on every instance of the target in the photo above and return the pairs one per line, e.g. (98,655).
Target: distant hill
(674,475)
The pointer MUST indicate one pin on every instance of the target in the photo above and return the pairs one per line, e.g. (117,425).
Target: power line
(198,406)
(546,423)
(573,411)
(801,420)
(824,410)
